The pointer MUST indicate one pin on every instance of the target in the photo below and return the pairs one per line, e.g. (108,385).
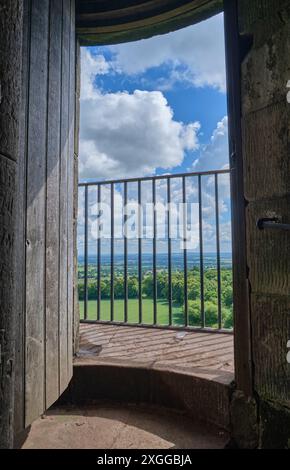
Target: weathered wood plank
(70,194)
(36,188)
(63,248)
(76,312)
(76,318)
(7,305)
(48,326)
(19,408)
(52,207)
(78,96)
(10,85)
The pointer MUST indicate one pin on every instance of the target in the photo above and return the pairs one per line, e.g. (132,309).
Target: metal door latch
(274,223)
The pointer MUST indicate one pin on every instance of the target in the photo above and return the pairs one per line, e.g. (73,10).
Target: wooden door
(44,338)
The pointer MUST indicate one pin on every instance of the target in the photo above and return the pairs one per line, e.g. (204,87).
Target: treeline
(193,287)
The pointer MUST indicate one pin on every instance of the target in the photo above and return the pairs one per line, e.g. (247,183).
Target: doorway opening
(154,226)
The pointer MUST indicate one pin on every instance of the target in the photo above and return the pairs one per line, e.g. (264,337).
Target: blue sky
(157,106)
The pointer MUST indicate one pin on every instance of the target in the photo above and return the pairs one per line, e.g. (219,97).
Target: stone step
(203,394)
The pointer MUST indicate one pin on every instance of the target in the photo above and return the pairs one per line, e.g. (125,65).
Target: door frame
(241,286)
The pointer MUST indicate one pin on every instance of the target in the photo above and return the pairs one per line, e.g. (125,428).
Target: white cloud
(126,134)
(215,155)
(92,65)
(196,55)
(209,222)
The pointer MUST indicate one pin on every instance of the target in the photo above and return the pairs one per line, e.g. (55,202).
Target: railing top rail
(152,178)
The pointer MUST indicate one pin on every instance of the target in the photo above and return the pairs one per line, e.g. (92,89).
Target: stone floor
(120,427)
(190,351)
(206,358)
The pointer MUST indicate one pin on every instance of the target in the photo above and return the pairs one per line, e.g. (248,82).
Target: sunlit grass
(133,311)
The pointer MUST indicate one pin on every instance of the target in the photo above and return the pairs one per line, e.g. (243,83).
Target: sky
(157,106)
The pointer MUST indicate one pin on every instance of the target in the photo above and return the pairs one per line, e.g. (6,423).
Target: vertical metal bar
(218,252)
(99,259)
(201,261)
(125,256)
(154,253)
(140,232)
(86,256)
(112,250)
(169,252)
(185,251)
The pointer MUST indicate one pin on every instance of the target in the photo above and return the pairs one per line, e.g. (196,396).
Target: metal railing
(171,189)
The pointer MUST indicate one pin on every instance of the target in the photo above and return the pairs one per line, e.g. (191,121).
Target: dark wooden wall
(46,224)
(10,94)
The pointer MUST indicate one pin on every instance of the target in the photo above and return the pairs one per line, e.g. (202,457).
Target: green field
(210,291)
(147,313)
(133,311)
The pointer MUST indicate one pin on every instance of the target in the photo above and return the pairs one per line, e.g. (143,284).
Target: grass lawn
(133,311)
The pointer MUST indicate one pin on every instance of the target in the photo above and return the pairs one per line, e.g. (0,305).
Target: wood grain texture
(11,13)
(52,206)
(76,310)
(7,301)
(19,405)
(76,313)
(11,16)
(71,191)
(36,223)
(46,232)
(63,208)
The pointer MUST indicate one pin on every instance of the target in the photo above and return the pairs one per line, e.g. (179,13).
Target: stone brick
(268,250)
(271,332)
(265,72)
(266,152)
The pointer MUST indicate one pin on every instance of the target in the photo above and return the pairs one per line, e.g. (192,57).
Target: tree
(147,285)
(178,289)
(119,287)
(227,295)
(133,288)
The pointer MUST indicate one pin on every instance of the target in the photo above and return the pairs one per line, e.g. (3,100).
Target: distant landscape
(193,286)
